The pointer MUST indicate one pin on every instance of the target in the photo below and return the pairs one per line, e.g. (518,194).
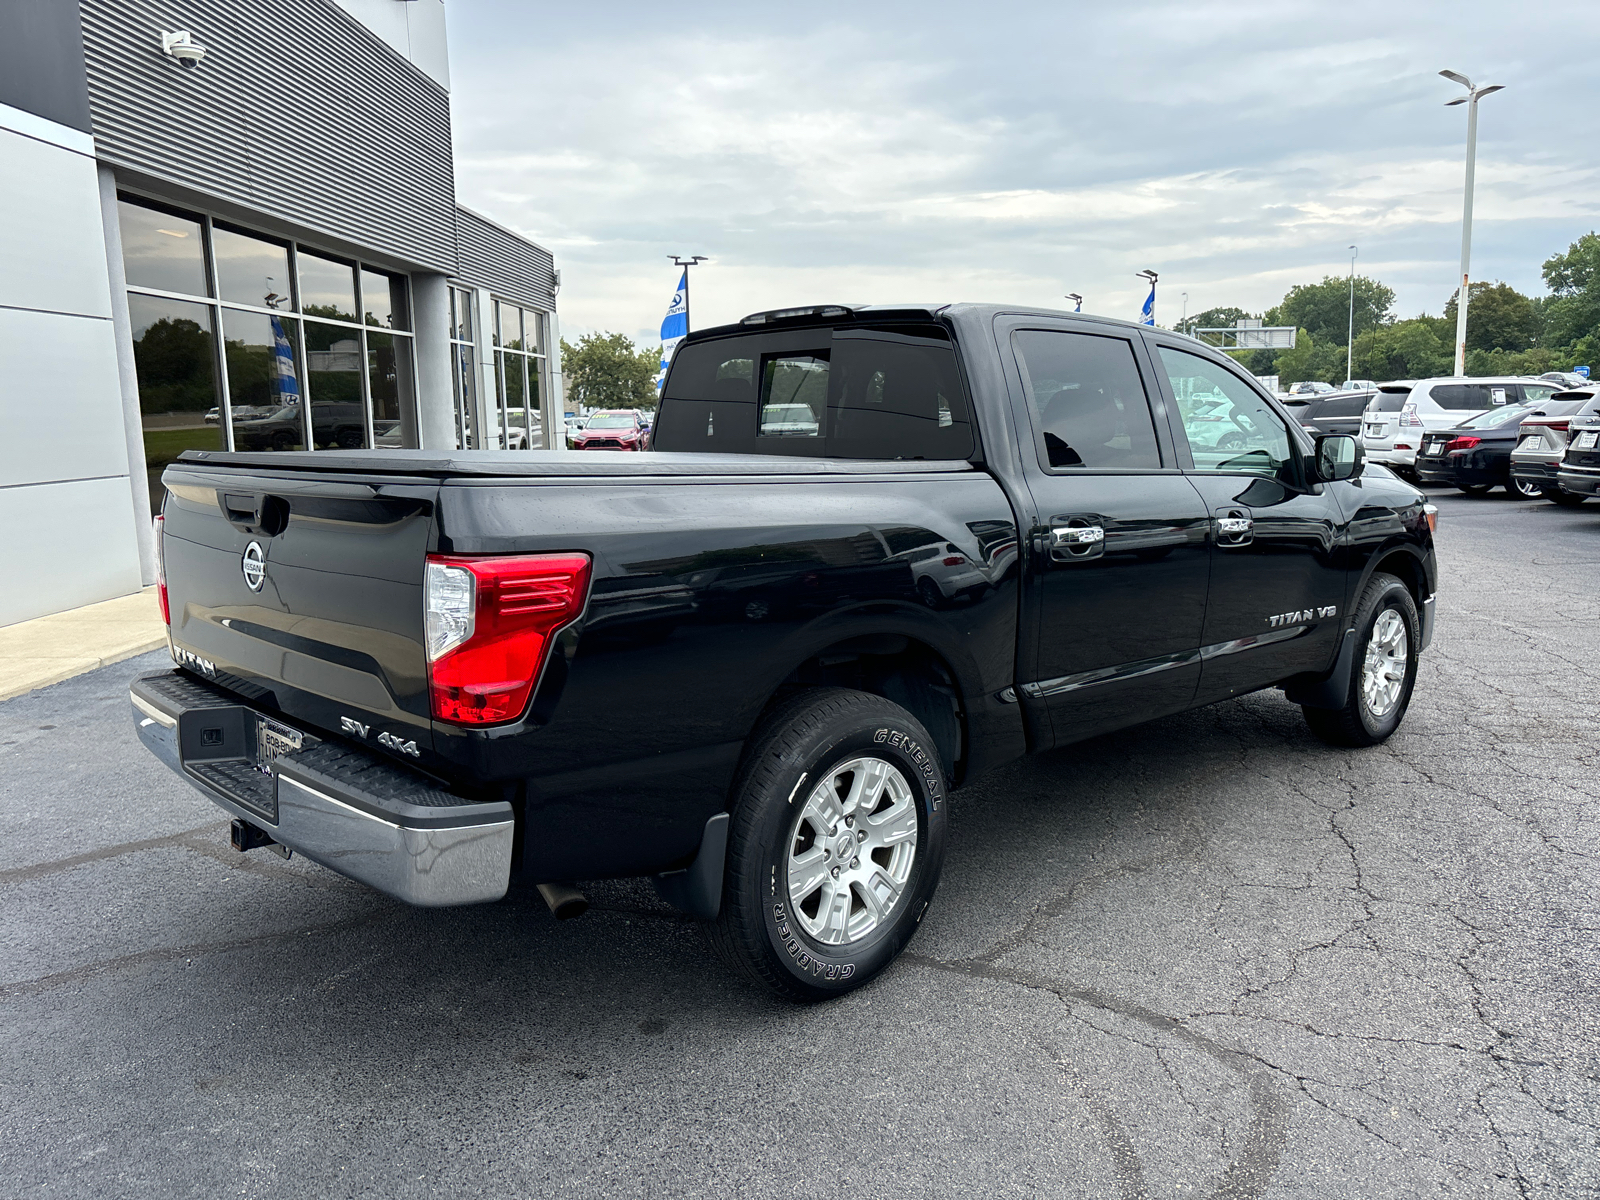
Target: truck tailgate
(304,591)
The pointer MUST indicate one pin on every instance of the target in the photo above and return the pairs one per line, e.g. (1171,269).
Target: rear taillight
(490,623)
(1462,443)
(161,571)
(1408,415)
(955,560)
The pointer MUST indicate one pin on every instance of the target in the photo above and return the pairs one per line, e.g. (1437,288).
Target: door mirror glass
(1338,457)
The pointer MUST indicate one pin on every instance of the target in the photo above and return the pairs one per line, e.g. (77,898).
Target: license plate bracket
(273,740)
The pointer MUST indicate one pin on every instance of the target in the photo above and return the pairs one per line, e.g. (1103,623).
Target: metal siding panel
(298,111)
(505,264)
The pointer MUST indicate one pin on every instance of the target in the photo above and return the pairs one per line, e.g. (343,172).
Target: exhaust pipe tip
(565,901)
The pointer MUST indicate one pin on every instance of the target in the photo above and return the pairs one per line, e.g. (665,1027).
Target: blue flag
(1079,308)
(288,382)
(1148,315)
(675,327)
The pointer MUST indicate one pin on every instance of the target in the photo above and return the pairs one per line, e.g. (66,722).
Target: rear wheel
(835,845)
(1388,633)
(1527,489)
(1565,499)
(1475,489)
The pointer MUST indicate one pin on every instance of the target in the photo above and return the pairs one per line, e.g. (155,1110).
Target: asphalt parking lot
(1207,957)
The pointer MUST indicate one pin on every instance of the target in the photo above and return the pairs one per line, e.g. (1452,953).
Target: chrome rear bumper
(352,812)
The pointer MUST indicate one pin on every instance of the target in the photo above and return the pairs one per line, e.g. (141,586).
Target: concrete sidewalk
(46,650)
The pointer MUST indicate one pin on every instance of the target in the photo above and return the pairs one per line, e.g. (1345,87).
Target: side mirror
(1339,456)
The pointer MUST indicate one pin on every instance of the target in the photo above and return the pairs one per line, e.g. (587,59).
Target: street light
(686,263)
(1350,338)
(1474,94)
(1184,320)
(1150,305)
(1076,299)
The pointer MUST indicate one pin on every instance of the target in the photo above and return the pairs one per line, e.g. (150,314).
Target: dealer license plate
(273,741)
(1374,430)
(1433,447)
(1532,442)
(1586,440)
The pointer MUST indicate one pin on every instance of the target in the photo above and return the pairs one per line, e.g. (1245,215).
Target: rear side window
(861,392)
(1088,401)
(1471,397)
(1342,406)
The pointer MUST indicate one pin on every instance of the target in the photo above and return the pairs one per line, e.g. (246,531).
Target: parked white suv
(1397,417)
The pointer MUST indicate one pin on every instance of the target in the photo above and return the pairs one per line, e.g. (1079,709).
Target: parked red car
(616,429)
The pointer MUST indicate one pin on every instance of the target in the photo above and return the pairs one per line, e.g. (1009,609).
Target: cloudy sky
(888,151)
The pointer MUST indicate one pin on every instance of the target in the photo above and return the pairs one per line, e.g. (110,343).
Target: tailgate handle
(255,512)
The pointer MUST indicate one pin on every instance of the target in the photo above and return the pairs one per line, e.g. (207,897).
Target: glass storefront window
(251,270)
(161,250)
(263,381)
(383,299)
(333,378)
(384,371)
(175,356)
(327,287)
(460,315)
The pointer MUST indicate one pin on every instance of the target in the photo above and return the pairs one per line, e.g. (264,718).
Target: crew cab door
(1278,583)
(1116,559)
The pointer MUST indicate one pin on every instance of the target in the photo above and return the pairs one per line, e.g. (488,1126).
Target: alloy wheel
(1383,673)
(851,850)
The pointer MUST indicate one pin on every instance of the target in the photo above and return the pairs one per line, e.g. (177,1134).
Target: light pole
(1474,94)
(686,263)
(1149,305)
(1184,320)
(1076,299)
(1350,338)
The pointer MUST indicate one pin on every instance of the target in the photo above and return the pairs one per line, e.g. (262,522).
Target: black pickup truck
(873,553)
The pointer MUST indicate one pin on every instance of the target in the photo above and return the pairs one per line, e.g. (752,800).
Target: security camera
(184,48)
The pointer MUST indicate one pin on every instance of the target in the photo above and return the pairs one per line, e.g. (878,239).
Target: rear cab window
(862,392)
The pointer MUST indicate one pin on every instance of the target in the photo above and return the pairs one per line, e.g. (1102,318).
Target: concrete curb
(48,650)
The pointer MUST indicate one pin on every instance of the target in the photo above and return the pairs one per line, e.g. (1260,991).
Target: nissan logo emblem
(254,566)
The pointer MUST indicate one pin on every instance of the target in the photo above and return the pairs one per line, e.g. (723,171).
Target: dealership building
(232,224)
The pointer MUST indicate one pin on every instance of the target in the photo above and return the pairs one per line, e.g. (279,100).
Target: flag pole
(692,261)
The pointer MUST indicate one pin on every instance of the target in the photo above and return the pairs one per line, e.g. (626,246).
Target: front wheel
(1385,671)
(835,845)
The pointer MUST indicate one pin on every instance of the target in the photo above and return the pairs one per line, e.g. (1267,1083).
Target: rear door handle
(1234,529)
(1069,543)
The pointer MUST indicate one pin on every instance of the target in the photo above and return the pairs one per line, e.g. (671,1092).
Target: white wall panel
(61,406)
(51,244)
(65,545)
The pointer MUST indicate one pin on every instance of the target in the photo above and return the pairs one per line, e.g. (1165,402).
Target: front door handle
(1069,543)
(1234,529)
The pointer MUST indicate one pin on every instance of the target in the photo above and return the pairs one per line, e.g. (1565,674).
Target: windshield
(1509,414)
(610,421)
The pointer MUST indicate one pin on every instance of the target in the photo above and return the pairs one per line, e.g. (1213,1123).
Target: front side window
(1088,401)
(1230,427)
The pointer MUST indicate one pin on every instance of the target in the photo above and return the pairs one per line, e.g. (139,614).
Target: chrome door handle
(1077,535)
(1235,530)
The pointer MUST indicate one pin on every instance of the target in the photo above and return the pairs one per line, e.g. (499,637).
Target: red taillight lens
(161,571)
(1461,443)
(490,622)
(955,560)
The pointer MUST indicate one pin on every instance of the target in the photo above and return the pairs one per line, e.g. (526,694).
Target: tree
(1409,349)
(606,370)
(1323,309)
(1215,318)
(1498,318)
(1573,310)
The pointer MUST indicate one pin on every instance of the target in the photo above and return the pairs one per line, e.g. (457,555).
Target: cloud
(1016,152)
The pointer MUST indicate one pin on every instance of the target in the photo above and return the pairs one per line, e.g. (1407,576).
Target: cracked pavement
(1208,957)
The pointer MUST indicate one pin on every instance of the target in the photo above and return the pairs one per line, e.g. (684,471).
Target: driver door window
(1229,426)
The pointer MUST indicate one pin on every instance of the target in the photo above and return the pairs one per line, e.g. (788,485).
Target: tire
(1359,722)
(827,940)
(1475,489)
(928,592)
(350,439)
(1527,489)
(1565,499)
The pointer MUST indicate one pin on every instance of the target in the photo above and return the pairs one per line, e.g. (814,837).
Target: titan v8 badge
(1302,615)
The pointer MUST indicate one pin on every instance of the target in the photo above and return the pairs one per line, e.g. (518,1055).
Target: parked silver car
(1544,440)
